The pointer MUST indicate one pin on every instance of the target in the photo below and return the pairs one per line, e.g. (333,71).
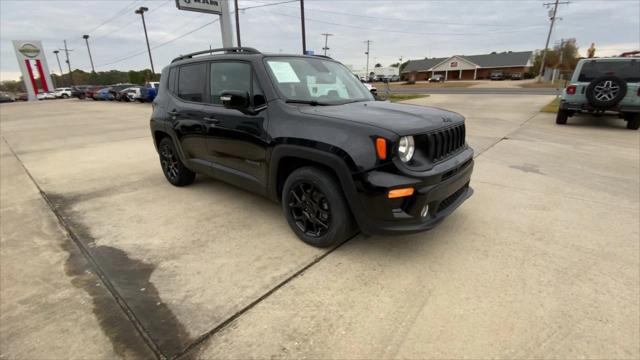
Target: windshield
(315,80)
(627,70)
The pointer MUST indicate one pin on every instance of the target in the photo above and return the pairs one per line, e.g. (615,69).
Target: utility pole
(553,21)
(66,52)
(304,35)
(60,66)
(367,53)
(560,60)
(326,37)
(237,23)
(141,12)
(86,39)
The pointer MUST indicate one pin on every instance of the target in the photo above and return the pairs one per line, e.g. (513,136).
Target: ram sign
(206,6)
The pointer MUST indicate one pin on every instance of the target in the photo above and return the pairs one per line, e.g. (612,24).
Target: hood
(403,119)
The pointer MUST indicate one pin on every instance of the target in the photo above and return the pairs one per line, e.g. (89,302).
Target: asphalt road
(478,91)
(101,258)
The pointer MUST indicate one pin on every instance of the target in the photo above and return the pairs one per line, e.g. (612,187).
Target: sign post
(218,7)
(30,54)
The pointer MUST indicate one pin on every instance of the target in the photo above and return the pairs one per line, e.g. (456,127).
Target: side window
(229,76)
(191,83)
(173,72)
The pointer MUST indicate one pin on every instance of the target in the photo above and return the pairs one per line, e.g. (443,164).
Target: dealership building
(469,67)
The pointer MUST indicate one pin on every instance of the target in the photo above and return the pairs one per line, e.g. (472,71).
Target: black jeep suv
(303,131)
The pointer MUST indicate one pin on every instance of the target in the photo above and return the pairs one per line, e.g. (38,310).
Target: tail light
(571,89)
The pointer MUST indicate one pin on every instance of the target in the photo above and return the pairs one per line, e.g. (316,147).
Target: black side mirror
(235,99)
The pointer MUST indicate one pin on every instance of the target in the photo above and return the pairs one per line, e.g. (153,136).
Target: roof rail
(229,50)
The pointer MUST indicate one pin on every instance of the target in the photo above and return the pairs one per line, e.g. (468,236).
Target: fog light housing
(425,211)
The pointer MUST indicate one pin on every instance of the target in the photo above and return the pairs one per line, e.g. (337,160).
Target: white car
(62,93)
(46,95)
(371,88)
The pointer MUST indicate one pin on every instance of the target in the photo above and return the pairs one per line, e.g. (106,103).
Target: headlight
(406,148)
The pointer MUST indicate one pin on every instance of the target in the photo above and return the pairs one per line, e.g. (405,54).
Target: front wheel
(172,167)
(315,208)
(562,116)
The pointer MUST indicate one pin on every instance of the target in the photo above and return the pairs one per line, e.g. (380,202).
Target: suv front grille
(441,143)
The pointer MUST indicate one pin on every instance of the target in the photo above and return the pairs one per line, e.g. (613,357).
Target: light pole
(59,65)
(86,39)
(141,11)
(326,38)
(237,23)
(304,36)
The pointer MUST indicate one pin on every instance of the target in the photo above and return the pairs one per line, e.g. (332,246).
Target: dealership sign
(206,6)
(33,66)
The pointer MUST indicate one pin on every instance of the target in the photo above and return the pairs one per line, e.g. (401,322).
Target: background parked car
(497,76)
(151,89)
(6,97)
(516,76)
(49,95)
(116,89)
(63,93)
(91,91)
(104,94)
(22,97)
(436,78)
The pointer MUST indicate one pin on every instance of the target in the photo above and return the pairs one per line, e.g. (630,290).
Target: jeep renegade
(603,85)
(303,131)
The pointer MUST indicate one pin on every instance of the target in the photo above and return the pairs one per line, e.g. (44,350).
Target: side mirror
(235,99)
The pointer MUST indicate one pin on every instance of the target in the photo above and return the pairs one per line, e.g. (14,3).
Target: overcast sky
(411,28)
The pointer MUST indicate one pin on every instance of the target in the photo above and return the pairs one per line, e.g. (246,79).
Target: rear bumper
(566,105)
(440,192)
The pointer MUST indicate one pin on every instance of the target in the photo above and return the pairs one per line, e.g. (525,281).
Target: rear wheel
(633,121)
(65,96)
(172,167)
(315,208)
(562,116)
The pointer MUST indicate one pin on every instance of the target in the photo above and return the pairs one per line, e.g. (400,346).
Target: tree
(403,65)
(377,65)
(569,53)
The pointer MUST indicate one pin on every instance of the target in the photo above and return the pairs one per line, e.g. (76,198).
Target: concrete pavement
(542,262)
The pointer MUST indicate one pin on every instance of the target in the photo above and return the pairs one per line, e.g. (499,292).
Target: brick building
(469,67)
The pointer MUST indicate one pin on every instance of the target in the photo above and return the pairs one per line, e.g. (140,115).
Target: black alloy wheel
(309,209)
(172,167)
(315,207)
(169,161)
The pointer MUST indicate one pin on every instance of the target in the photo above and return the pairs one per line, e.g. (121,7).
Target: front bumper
(440,190)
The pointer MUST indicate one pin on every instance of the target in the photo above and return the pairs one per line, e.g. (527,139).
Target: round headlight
(406,148)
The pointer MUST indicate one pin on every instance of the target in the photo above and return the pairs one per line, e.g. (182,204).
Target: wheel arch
(286,158)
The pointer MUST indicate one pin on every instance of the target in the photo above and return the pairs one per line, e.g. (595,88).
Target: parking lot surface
(110,260)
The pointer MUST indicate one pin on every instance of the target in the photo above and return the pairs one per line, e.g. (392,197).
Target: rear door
(187,84)
(237,140)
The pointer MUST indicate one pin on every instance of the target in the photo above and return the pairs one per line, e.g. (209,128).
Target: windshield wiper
(309,102)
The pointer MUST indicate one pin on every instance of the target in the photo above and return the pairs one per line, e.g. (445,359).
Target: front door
(237,140)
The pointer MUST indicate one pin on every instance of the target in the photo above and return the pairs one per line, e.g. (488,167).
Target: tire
(310,190)
(633,121)
(172,167)
(562,116)
(606,91)
(65,96)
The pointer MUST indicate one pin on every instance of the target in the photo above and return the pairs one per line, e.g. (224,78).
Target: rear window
(627,70)
(191,82)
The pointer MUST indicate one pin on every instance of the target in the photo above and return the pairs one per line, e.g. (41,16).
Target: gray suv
(604,86)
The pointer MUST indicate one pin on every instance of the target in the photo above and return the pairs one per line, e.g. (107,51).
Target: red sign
(454,64)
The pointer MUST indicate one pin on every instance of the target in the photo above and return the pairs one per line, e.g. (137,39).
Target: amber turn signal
(397,193)
(381,148)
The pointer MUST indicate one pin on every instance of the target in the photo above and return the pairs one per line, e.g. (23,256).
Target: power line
(413,20)
(265,5)
(161,44)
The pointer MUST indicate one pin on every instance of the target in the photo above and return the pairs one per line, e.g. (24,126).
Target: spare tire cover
(606,91)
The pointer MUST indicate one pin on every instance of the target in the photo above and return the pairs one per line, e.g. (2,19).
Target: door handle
(172,113)
(211,120)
